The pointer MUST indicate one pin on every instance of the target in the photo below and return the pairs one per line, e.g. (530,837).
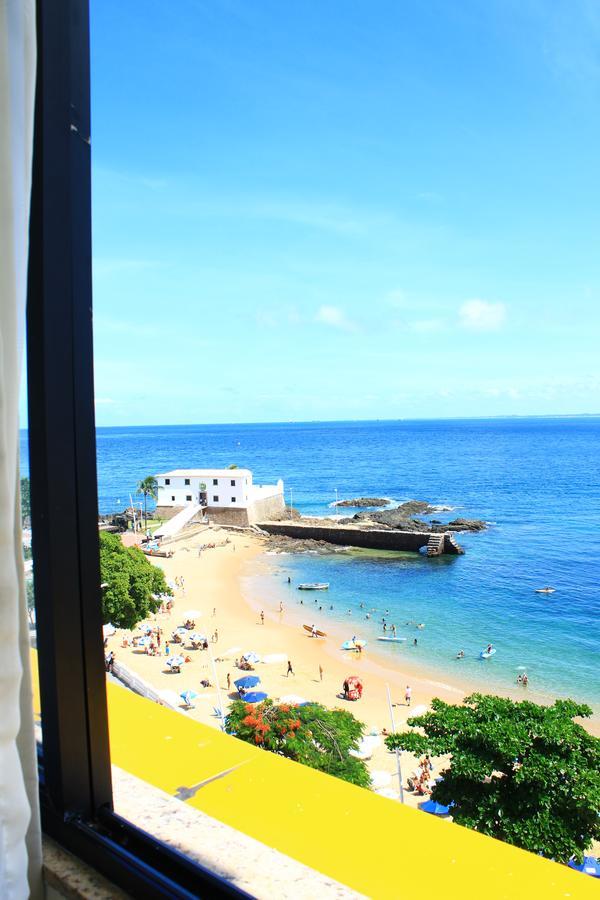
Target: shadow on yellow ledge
(374,845)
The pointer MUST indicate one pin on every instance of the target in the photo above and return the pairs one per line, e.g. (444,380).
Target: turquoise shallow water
(536,480)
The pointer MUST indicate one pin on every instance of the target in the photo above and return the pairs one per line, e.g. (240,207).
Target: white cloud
(481,315)
(335,318)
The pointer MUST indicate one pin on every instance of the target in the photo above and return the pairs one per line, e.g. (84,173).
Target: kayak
(319,633)
(485,654)
(392,640)
(317,586)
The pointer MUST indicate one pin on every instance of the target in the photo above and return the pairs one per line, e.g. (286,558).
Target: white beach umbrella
(108,630)
(380,779)
(294,699)
(144,642)
(175,661)
(366,747)
(252,657)
(194,636)
(390,793)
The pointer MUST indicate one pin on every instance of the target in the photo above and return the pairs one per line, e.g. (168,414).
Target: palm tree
(149,488)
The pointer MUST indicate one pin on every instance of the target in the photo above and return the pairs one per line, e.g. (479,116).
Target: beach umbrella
(181,630)
(197,637)
(418,711)
(191,613)
(144,642)
(188,696)
(146,628)
(249,681)
(293,699)
(366,747)
(251,656)
(255,697)
(590,866)
(177,661)
(108,630)
(380,779)
(436,809)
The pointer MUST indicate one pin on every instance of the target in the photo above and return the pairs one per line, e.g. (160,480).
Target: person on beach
(460,654)
(262,617)
(167,650)
(313,631)
(393,627)
(525,680)
(384,627)
(321,673)
(280,606)
(215,636)
(214,611)
(407,695)
(368,616)
(290,671)
(415,642)
(289,580)
(489,648)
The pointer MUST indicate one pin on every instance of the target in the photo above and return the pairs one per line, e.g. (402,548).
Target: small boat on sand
(316,586)
(391,640)
(545,590)
(317,632)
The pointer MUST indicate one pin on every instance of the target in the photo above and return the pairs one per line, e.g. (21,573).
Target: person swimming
(460,654)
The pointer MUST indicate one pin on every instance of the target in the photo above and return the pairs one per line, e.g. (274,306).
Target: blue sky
(333,210)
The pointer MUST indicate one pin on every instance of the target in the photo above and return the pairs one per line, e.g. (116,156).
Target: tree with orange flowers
(313,735)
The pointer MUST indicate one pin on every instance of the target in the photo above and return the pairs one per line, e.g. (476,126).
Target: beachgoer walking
(215,636)
(262,617)
(321,673)
(415,642)
(393,627)
(290,670)
(313,631)
(289,580)
(280,606)
(407,695)
(214,611)
(228,681)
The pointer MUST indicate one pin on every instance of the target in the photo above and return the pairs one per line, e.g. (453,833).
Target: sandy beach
(212,585)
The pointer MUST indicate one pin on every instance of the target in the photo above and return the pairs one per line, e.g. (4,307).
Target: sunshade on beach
(248,681)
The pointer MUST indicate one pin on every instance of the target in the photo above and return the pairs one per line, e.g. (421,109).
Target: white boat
(316,586)
(391,640)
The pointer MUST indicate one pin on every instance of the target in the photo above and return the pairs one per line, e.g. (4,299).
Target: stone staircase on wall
(435,544)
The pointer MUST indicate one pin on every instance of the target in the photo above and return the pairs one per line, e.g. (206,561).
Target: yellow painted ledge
(375,846)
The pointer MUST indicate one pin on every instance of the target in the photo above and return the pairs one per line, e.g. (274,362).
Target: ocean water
(536,481)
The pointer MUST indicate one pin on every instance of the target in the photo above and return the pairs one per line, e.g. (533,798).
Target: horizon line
(356,421)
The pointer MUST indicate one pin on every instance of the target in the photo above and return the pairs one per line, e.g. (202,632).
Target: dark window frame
(75,776)
(167,481)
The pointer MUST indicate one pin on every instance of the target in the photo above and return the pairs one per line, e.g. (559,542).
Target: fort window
(167,481)
(215,481)
(188,496)
(233,482)
(233,499)
(173,499)
(187,481)
(215,499)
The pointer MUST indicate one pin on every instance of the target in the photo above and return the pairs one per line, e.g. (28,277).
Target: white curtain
(20,842)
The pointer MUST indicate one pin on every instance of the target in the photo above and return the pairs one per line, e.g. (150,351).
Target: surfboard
(392,640)
(319,633)
(485,655)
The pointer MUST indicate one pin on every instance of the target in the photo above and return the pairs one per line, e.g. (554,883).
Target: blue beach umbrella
(188,696)
(248,681)
(436,809)
(255,697)
(590,866)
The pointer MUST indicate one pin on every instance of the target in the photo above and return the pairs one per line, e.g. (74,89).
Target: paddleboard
(548,590)
(319,633)
(392,640)
(485,655)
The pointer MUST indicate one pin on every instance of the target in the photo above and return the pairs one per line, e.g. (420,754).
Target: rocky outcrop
(358,502)
(404,518)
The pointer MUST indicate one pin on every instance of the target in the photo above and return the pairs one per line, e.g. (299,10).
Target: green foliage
(524,773)
(25,502)
(233,466)
(317,737)
(130,583)
(30,592)
(27,552)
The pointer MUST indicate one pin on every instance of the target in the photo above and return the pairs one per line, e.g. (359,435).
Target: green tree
(233,466)
(130,582)
(313,735)
(149,488)
(25,502)
(30,592)
(524,773)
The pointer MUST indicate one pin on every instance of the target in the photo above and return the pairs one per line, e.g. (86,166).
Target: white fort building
(227,496)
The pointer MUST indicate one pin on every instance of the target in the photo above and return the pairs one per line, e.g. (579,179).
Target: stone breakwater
(369,538)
